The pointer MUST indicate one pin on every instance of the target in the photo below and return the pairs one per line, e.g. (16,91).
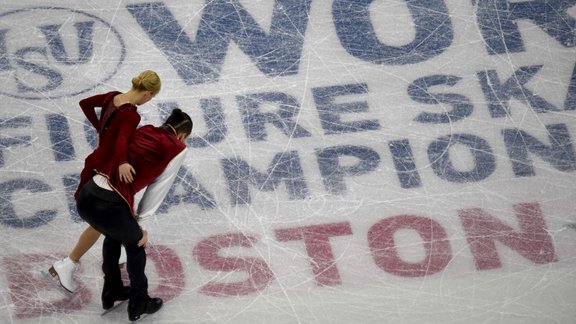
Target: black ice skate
(137,309)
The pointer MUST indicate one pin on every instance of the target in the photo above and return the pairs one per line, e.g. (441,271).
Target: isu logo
(48,53)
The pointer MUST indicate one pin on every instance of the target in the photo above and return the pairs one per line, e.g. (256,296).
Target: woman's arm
(88,106)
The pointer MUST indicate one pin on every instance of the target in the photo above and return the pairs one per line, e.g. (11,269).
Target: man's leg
(110,256)
(113,289)
(110,215)
(136,261)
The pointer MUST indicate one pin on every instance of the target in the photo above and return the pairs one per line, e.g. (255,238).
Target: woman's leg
(86,240)
(63,270)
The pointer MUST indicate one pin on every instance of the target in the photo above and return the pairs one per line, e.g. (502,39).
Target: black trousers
(109,214)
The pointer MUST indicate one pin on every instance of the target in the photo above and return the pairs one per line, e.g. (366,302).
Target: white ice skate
(62,271)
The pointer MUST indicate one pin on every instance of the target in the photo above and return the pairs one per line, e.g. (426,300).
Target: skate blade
(142,317)
(113,307)
(55,280)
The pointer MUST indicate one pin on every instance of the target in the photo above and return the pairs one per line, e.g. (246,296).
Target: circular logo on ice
(48,53)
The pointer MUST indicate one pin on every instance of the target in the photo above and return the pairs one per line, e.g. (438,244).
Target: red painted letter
(532,242)
(169,269)
(436,246)
(29,288)
(206,253)
(316,240)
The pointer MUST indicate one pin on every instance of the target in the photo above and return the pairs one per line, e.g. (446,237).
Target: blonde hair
(147,81)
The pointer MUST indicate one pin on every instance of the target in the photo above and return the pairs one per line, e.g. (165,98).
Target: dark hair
(180,121)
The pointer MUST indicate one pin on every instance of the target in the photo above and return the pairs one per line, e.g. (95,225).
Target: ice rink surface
(352,161)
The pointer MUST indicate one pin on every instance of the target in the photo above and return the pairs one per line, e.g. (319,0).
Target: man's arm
(157,190)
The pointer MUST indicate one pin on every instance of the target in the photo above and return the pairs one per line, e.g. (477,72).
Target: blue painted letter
(439,156)
(333,172)
(193,193)
(570,102)
(60,137)
(9,216)
(330,111)
(419,92)
(434,32)
(7,141)
(404,163)
(497,94)
(84,31)
(560,154)
(275,54)
(284,167)
(497,21)
(255,121)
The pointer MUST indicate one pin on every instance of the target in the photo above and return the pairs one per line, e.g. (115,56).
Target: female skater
(116,125)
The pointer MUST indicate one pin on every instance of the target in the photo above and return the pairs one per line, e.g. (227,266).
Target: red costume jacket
(149,152)
(115,128)
(148,149)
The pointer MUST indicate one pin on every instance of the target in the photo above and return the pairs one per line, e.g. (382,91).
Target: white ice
(480,226)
